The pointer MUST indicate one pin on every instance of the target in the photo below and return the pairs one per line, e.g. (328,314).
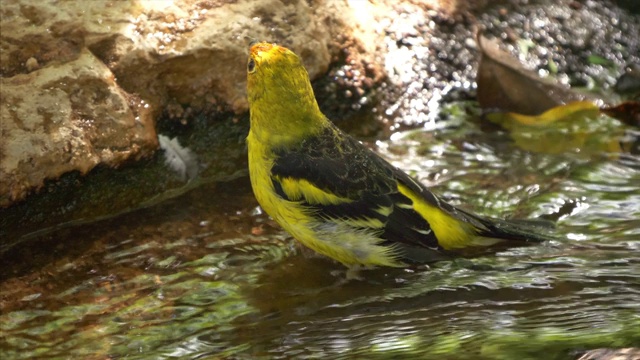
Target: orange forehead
(261,47)
(264,50)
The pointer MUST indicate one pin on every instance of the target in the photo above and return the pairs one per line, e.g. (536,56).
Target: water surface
(208,275)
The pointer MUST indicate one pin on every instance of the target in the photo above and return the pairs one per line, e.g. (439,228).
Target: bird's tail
(526,230)
(523,230)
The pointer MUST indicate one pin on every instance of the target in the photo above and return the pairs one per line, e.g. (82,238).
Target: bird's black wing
(336,163)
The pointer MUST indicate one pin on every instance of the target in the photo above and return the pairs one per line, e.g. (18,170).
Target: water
(207,275)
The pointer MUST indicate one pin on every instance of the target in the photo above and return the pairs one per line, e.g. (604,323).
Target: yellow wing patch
(361,223)
(450,232)
(299,189)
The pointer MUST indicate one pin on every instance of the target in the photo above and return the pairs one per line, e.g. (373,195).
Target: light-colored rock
(63,110)
(185,50)
(192,54)
(66,117)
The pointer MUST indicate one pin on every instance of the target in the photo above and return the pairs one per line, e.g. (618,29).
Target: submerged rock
(611,354)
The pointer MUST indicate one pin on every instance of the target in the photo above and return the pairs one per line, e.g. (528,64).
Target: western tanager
(335,195)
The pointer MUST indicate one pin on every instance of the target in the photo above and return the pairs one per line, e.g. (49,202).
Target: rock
(67,117)
(188,50)
(68,70)
(193,53)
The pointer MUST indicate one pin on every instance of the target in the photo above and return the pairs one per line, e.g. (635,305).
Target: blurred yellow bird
(335,195)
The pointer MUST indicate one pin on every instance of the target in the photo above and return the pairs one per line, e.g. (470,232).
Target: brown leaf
(628,112)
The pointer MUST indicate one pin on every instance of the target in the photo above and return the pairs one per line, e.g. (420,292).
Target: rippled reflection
(208,275)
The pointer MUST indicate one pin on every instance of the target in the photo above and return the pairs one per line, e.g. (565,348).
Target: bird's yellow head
(280,96)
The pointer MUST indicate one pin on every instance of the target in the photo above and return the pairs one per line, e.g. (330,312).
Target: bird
(338,197)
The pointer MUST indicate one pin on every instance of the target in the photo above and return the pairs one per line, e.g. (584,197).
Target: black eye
(251,66)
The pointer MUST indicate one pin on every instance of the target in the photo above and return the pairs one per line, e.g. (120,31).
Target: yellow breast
(334,239)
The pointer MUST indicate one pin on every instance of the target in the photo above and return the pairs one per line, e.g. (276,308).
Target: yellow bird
(335,195)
